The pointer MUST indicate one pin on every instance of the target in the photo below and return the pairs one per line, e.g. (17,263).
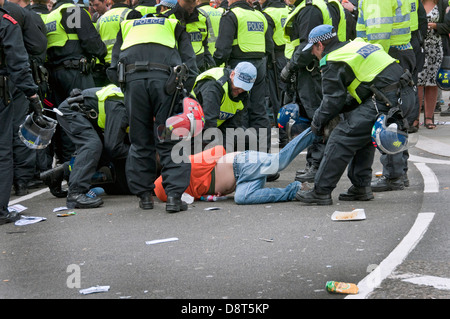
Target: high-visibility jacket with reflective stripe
(56,34)
(213,16)
(108,25)
(365,59)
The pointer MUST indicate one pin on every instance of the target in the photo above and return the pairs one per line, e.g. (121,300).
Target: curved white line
(430,180)
(395,258)
(432,146)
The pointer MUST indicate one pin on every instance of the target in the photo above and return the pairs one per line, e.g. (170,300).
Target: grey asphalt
(256,252)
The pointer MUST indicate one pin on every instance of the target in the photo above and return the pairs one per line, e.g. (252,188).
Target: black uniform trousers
(6,157)
(24,157)
(63,81)
(255,114)
(350,145)
(396,165)
(148,107)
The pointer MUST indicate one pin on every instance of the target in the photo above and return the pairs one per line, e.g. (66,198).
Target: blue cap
(244,76)
(320,33)
(167,3)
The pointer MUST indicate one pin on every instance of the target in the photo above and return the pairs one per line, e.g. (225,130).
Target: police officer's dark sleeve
(187,55)
(16,58)
(115,130)
(34,34)
(224,42)
(270,46)
(210,96)
(335,79)
(90,40)
(308,18)
(423,20)
(111,72)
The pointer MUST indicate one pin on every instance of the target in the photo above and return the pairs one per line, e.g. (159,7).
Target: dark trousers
(350,144)
(88,145)
(148,107)
(24,157)
(396,165)
(62,82)
(6,154)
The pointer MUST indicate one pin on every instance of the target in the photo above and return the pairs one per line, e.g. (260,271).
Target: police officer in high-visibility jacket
(307,15)
(108,26)
(376,83)
(243,36)
(223,94)
(389,23)
(143,59)
(96,121)
(213,16)
(196,25)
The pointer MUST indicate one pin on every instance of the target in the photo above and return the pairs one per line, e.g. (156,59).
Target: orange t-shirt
(201,166)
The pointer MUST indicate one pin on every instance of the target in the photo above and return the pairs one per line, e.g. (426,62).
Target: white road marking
(432,146)
(430,180)
(395,258)
(423,280)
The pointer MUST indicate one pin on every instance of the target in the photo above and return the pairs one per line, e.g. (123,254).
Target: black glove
(36,107)
(286,73)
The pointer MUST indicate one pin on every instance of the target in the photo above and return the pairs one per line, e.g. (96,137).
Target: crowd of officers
(80,60)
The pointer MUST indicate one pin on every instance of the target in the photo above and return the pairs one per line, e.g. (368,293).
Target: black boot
(357,193)
(8,217)
(384,184)
(312,197)
(79,200)
(146,201)
(20,189)
(308,176)
(175,204)
(53,179)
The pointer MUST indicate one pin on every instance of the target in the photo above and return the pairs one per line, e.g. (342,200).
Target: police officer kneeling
(376,83)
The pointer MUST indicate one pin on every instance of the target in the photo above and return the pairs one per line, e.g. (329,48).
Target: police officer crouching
(377,84)
(96,122)
(223,94)
(150,56)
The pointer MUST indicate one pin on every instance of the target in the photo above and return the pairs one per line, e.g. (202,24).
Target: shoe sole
(322,202)
(75,205)
(388,189)
(146,206)
(350,198)
(304,180)
(175,208)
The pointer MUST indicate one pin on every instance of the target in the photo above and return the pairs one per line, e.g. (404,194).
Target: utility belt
(4,90)
(405,80)
(176,74)
(84,65)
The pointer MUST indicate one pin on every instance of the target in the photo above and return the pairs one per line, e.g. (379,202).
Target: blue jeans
(251,169)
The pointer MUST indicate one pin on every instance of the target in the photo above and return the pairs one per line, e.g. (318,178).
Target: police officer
(40,7)
(276,12)
(195,22)
(96,121)
(213,16)
(390,26)
(376,83)
(33,33)
(244,37)
(107,26)
(14,69)
(307,15)
(144,57)
(223,94)
(73,44)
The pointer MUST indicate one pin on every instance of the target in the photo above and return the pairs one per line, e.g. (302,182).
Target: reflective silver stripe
(379,36)
(212,37)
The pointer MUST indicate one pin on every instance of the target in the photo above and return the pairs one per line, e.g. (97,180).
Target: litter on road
(356,214)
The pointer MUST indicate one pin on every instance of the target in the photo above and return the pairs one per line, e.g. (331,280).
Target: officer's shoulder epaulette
(5,15)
